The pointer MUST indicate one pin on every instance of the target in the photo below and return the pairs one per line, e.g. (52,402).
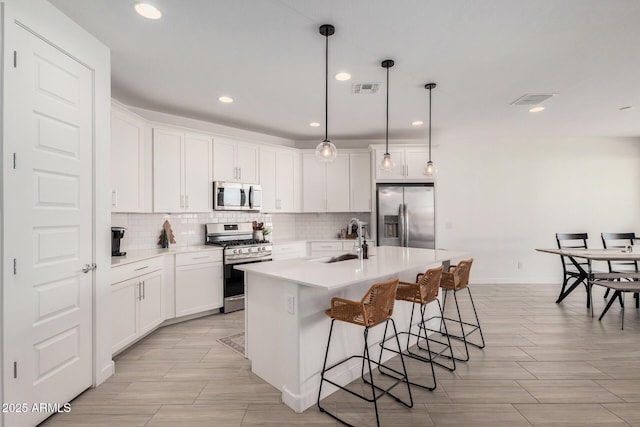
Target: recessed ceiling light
(417,123)
(343,76)
(628,107)
(148,11)
(225,99)
(536,109)
(314,124)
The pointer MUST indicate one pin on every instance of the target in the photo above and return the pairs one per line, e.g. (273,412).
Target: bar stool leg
(475,312)
(324,367)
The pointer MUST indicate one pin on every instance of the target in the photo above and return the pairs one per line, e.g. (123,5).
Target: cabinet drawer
(135,269)
(326,246)
(198,257)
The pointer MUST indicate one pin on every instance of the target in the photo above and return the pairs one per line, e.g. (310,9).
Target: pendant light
(429,169)
(326,151)
(387,163)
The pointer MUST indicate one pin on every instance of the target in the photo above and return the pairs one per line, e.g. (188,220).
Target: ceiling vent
(533,99)
(365,88)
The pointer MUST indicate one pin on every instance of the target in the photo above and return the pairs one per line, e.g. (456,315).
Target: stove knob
(263,248)
(235,251)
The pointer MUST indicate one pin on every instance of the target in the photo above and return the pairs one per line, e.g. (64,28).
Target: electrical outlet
(519,265)
(290,304)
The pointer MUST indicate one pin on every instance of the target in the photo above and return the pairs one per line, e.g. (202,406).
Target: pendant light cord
(430,124)
(387,132)
(326,88)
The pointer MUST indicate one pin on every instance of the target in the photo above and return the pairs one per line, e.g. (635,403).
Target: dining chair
(620,240)
(569,270)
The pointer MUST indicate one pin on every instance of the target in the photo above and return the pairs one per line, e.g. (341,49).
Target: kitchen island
(285,322)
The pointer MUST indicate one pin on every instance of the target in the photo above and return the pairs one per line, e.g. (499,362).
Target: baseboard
(107,371)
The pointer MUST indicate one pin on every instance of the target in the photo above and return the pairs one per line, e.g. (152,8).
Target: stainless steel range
(239,248)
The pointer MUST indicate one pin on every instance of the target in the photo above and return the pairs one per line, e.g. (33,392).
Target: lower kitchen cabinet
(290,250)
(198,282)
(136,304)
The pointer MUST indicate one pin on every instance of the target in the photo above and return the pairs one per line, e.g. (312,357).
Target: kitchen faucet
(359,233)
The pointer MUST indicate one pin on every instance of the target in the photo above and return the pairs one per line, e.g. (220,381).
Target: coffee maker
(117,233)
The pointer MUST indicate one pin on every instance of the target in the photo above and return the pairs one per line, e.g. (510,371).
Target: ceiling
(269,56)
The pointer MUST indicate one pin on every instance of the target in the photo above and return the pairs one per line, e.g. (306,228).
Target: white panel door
(167,171)
(268,173)
(398,170)
(48,300)
(313,184)
(224,160)
(337,187)
(127,162)
(416,159)
(124,322)
(197,288)
(198,180)
(247,162)
(150,302)
(285,181)
(360,182)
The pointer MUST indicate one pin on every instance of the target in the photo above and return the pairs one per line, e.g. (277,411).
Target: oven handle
(235,298)
(246,260)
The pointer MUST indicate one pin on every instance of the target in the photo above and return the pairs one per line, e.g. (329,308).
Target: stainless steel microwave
(234,196)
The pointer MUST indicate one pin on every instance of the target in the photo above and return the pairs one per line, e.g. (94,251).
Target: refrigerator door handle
(401,230)
(406,226)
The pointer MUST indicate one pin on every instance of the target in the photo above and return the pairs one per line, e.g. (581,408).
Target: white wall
(501,199)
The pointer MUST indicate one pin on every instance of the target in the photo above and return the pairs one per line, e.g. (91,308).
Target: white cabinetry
(325,186)
(198,282)
(136,301)
(235,161)
(409,163)
(130,185)
(360,181)
(289,250)
(279,171)
(181,171)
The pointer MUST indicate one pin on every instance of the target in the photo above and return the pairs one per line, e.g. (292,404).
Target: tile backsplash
(143,230)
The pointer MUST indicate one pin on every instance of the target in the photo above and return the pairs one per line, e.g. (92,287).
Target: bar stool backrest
(379,301)
(429,283)
(461,273)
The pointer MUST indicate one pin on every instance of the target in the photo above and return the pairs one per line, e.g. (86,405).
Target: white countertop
(383,262)
(142,254)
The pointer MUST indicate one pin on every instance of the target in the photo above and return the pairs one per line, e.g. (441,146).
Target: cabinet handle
(200,257)
(239,173)
(144,290)
(114,198)
(139,291)
(186,198)
(369,204)
(141,268)
(182,200)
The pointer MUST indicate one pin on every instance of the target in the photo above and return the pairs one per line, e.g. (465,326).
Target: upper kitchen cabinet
(409,163)
(360,181)
(325,186)
(130,162)
(235,161)
(181,171)
(279,172)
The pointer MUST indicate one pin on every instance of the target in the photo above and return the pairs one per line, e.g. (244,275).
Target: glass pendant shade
(387,163)
(326,151)
(429,169)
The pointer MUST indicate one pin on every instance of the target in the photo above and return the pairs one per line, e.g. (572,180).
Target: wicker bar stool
(457,279)
(375,308)
(422,293)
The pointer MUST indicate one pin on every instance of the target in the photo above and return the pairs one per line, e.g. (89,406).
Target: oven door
(234,286)
(230,196)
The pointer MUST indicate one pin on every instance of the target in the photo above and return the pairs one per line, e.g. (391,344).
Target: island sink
(328,260)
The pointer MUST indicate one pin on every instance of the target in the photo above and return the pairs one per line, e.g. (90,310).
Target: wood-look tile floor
(545,364)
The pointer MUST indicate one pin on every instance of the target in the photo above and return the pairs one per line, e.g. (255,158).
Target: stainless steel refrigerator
(406,215)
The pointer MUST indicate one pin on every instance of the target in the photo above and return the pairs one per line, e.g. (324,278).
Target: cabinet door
(337,187)
(247,163)
(197,166)
(167,171)
(360,182)
(268,172)
(224,162)
(397,172)
(124,325)
(313,184)
(285,181)
(127,162)
(416,159)
(150,302)
(198,288)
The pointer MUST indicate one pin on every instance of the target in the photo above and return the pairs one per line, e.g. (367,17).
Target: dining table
(588,275)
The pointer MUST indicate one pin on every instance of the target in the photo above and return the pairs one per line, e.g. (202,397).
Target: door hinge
(15,266)
(15,369)
(15,59)
(14,160)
